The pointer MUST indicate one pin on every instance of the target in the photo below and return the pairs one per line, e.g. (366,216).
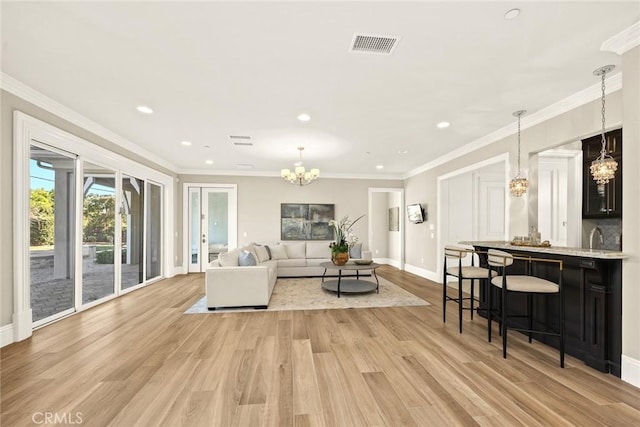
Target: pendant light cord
(518,145)
(603,151)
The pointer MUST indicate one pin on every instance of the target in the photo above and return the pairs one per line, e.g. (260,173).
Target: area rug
(308,294)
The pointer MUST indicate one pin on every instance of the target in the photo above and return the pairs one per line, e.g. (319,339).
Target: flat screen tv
(415,213)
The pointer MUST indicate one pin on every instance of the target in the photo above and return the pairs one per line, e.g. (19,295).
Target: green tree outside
(99,218)
(41,217)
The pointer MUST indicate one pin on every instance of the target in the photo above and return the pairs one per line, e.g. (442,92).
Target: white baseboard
(6,335)
(631,370)
(22,325)
(393,263)
(177,270)
(422,272)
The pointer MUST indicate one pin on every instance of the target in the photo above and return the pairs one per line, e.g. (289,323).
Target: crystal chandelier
(300,176)
(604,167)
(519,184)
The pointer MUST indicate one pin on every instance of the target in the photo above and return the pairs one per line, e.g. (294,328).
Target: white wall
(259,200)
(630,221)
(379,244)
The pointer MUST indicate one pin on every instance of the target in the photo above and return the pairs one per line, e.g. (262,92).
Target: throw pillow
(355,251)
(228,259)
(319,249)
(251,248)
(278,252)
(246,259)
(262,253)
(296,250)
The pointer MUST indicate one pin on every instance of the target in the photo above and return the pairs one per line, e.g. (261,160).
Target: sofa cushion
(315,262)
(229,259)
(278,252)
(262,253)
(251,247)
(355,250)
(318,250)
(246,259)
(296,262)
(296,250)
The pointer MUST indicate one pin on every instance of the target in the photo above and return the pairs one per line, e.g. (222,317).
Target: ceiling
(214,69)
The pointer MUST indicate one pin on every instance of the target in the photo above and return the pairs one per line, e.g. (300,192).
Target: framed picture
(394,219)
(305,221)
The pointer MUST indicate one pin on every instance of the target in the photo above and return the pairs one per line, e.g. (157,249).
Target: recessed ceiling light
(443,125)
(209,162)
(304,117)
(186,143)
(144,109)
(403,151)
(512,13)
(207,146)
(379,167)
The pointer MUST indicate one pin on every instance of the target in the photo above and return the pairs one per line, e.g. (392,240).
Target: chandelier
(300,176)
(519,184)
(604,167)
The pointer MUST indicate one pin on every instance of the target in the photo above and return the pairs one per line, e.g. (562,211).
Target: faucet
(593,233)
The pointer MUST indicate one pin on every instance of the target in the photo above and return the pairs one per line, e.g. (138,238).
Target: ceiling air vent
(241,140)
(245,166)
(369,43)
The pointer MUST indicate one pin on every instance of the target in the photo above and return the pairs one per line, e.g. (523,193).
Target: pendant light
(519,184)
(604,167)
(299,176)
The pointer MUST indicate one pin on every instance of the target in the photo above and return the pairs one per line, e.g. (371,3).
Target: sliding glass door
(98,232)
(132,232)
(52,222)
(88,224)
(154,232)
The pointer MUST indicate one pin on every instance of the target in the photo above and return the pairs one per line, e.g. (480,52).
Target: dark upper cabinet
(602,201)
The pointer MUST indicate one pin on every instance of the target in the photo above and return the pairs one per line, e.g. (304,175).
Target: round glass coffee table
(349,284)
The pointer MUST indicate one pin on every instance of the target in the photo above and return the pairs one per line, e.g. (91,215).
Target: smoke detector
(372,43)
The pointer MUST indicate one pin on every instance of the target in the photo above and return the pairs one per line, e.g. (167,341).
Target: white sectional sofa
(230,284)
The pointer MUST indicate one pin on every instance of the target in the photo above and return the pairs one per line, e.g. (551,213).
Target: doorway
(386,226)
(472,205)
(212,225)
(559,212)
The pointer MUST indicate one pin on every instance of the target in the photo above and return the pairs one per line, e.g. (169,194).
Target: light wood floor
(138,360)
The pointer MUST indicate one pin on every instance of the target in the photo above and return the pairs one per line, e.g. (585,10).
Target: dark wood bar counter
(592,281)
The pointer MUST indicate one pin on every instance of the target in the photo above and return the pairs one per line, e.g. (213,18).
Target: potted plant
(343,238)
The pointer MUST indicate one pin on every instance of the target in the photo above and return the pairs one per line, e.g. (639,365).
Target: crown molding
(16,87)
(578,99)
(624,41)
(387,177)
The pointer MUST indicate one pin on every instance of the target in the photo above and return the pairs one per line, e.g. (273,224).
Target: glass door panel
(194,230)
(132,232)
(52,224)
(98,233)
(154,231)
(215,223)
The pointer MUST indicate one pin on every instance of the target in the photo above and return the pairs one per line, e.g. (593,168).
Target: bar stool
(461,272)
(526,284)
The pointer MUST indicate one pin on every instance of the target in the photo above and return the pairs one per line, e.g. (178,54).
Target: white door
(212,224)
(553,200)
(489,210)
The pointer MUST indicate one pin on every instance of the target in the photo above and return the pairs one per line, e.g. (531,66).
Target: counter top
(557,250)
